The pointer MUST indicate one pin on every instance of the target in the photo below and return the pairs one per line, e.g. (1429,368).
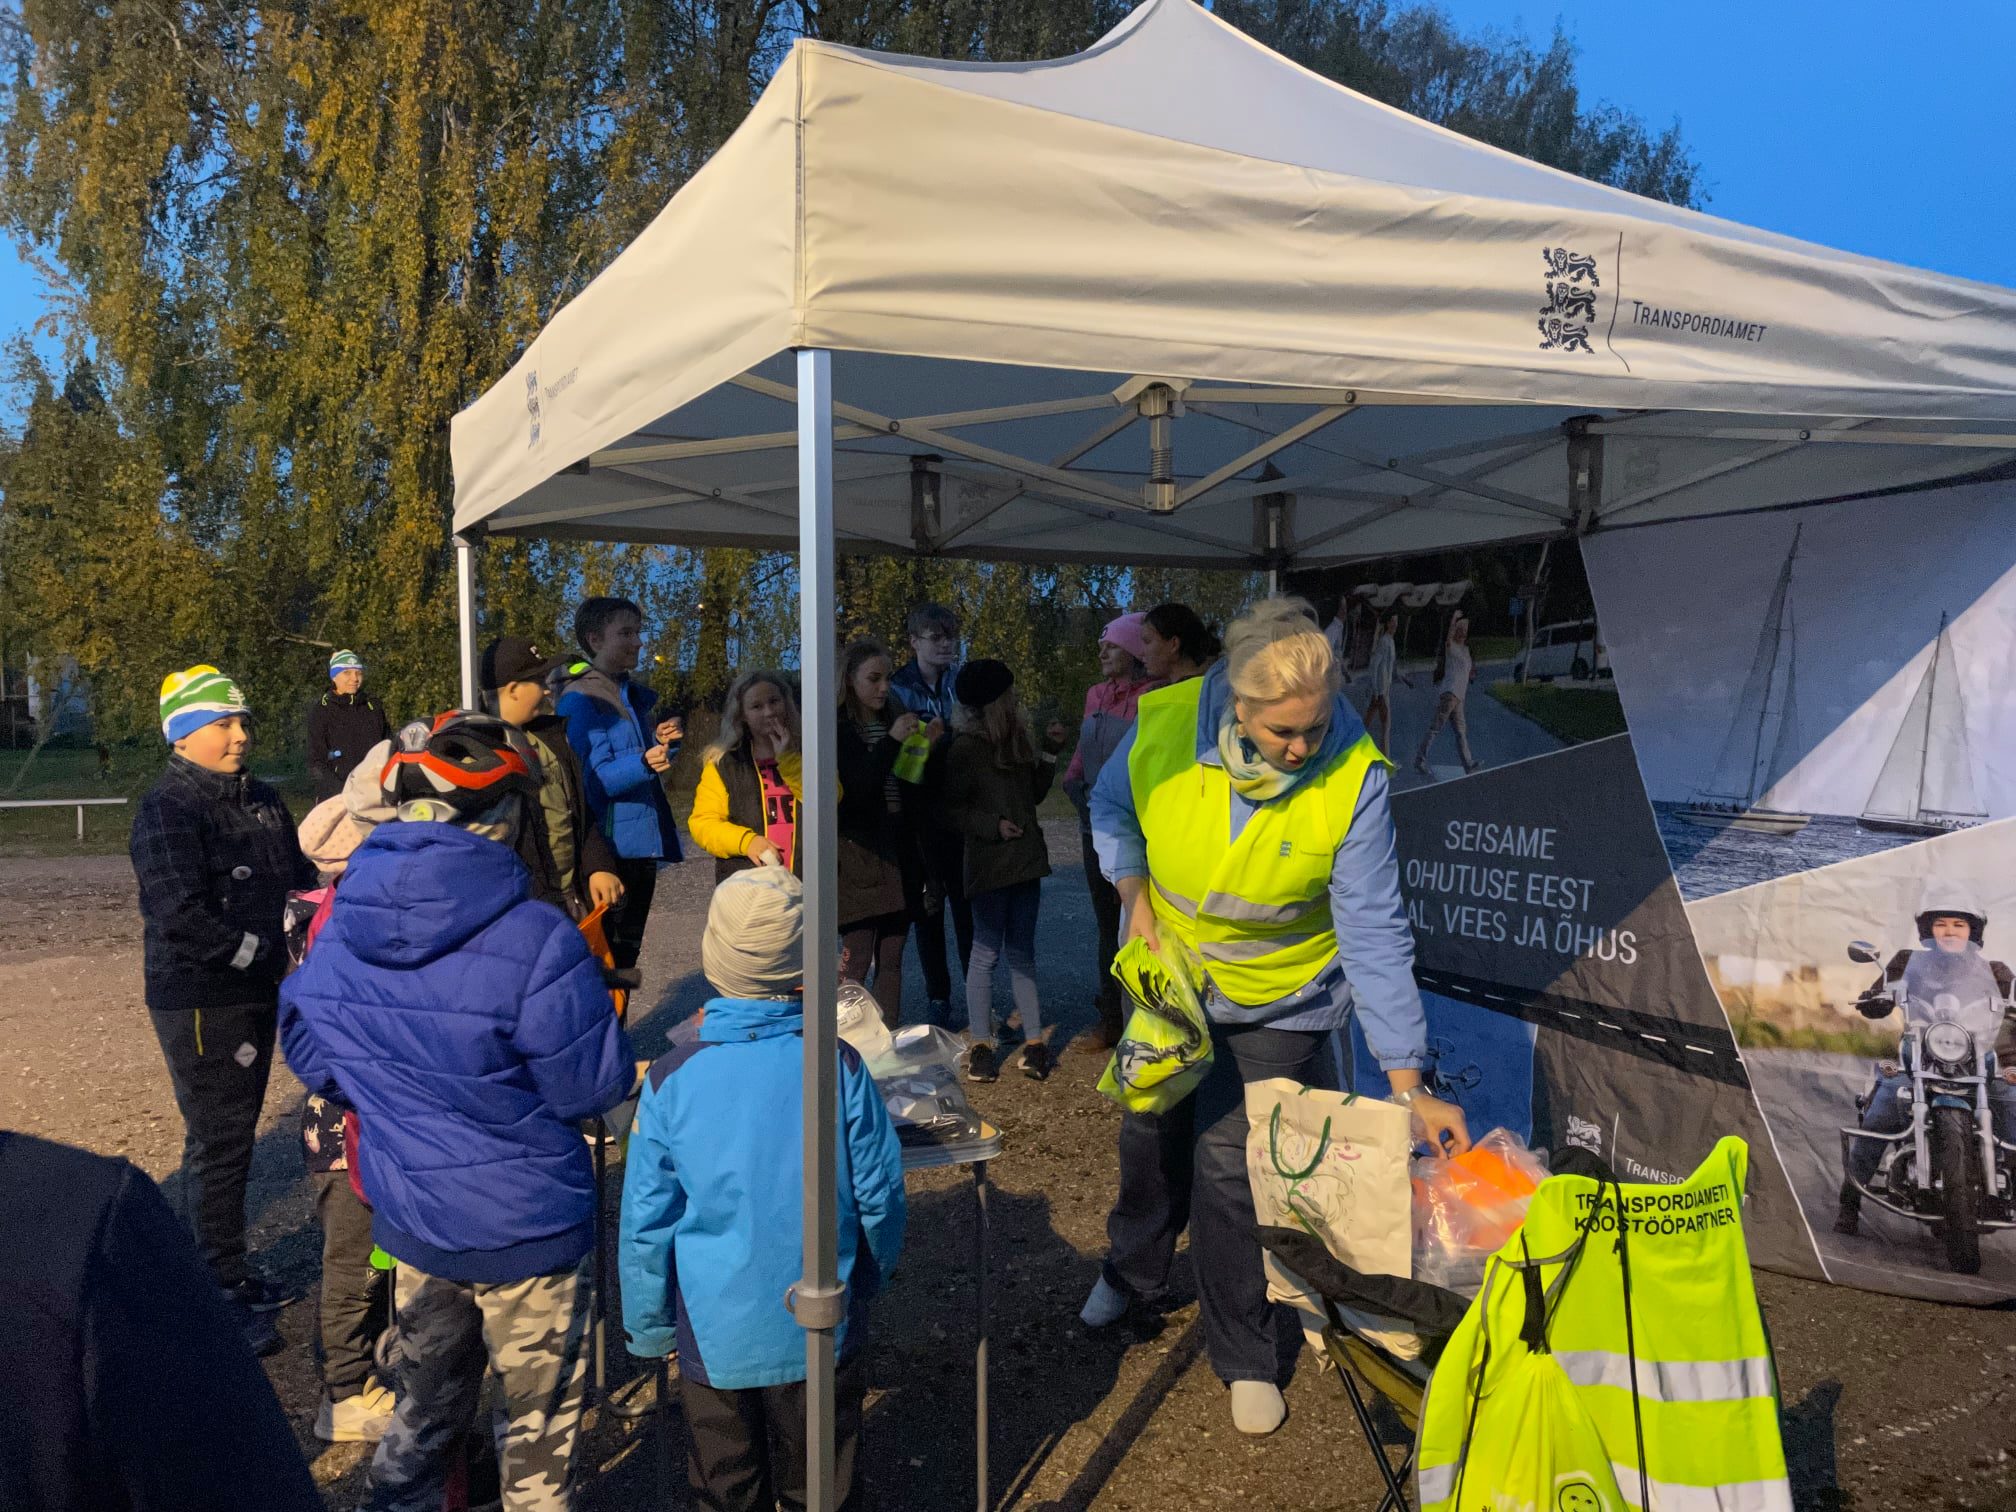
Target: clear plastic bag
(1466,1207)
(858,1018)
(918,1076)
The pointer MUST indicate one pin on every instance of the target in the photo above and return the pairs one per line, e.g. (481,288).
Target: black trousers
(747,1448)
(219,1059)
(1187,1168)
(640,886)
(1105,939)
(356,1301)
(942,850)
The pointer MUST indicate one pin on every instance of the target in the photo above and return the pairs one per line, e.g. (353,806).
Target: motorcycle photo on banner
(1830,752)
(1933,1143)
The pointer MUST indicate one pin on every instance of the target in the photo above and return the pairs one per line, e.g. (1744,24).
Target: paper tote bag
(1333,1165)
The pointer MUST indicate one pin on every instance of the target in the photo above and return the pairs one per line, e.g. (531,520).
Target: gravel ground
(1889,1403)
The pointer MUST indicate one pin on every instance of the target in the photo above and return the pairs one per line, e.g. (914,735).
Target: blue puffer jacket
(472,1031)
(713,1222)
(610,725)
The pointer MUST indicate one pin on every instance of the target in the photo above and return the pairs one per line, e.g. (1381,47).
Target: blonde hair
(734,730)
(1276,650)
(1000,725)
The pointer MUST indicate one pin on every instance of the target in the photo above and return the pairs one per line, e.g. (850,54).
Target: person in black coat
(344,724)
(873,919)
(129,1387)
(215,854)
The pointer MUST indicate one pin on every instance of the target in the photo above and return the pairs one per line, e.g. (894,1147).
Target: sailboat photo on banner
(1763,740)
(1927,785)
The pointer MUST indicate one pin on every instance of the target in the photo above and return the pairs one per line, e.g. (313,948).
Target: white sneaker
(1106,1306)
(360,1419)
(1257,1407)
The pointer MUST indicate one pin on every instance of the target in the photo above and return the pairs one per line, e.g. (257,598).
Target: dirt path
(1890,1403)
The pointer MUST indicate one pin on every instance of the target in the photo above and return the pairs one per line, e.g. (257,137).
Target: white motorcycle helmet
(1943,899)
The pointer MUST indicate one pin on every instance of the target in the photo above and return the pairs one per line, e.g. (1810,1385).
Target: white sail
(1754,753)
(1929,775)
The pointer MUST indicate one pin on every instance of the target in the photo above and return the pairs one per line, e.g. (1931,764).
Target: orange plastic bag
(595,932)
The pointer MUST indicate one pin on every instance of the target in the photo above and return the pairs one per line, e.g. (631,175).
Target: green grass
(1570,714)
(70,772)
(1492,648)
(1869,1044)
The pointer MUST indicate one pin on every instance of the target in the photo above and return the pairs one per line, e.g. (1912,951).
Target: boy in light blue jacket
(713,1228)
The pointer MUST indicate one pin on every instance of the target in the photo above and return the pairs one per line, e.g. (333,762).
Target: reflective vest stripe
(1730,1496)
(1256,949)
(1175,900)
(1672,1380)
(1439,1484)
(1244,911)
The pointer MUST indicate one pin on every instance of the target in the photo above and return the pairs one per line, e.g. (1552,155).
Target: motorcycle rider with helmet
(1950,920)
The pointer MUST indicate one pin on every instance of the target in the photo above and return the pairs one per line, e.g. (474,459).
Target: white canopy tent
(1176,300)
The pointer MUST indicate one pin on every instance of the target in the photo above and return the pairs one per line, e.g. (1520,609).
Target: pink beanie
(1125,632)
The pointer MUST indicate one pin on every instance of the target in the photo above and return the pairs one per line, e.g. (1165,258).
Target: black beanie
(981,682)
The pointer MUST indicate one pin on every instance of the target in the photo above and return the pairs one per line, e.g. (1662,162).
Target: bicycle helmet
(466,764)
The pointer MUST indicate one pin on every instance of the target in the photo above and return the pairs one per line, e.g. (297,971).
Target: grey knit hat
(754,946)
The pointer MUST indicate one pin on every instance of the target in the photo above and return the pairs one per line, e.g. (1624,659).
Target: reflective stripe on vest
(1707,1388)
(1255,908)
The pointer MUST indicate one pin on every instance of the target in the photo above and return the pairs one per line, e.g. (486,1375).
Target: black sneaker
(1035,1061)
(980,1065)
(257,1295)
(260,1333)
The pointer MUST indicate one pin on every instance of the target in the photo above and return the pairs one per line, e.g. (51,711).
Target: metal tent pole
(819,1301)
(465,615)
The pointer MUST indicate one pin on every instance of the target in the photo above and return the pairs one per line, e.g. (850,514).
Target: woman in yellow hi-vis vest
(1246,817)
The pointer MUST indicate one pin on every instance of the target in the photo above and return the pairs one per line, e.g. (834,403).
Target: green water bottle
(910,761)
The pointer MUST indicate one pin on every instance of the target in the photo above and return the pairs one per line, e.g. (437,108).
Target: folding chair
(1363,1363)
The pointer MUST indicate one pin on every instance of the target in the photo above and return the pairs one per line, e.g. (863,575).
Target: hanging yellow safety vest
(1255,909)
(1661,1339)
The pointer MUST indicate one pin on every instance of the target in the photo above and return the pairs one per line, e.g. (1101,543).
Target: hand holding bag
(1165,1050)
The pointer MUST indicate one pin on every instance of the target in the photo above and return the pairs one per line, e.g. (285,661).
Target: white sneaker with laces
(1106,1306)
(360,1419)
(1257,1407)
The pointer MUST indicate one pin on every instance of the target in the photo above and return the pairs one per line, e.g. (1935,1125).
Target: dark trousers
(748,1447)
(943,891)
(219,1059)
(356,1302)
(640,885)
(876,945)
(1188,1167)
(1105,939)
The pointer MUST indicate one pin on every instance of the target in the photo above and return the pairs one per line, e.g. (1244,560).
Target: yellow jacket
(722,828)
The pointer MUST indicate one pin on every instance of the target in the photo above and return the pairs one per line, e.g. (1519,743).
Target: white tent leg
(820,1299)
(465,615)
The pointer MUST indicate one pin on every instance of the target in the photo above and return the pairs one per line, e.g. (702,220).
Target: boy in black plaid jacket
(215,854)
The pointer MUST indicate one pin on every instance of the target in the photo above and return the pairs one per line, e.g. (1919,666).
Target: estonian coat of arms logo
(1569,288)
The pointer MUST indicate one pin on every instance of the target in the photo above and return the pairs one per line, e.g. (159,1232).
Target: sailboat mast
(1931,696)
(1778,603)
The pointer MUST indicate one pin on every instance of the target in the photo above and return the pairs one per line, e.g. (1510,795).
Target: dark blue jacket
(215,856)
(472,1031)
(129,1385)
(609,725)
(713,1193)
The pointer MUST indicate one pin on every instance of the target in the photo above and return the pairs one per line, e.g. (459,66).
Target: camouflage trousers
(450,1336)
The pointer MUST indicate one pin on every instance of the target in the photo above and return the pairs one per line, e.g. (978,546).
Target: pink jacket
(1109,710)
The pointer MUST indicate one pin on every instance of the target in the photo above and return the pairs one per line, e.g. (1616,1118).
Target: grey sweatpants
(451,1334)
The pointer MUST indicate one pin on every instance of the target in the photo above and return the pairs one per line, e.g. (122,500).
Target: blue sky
(1879,127)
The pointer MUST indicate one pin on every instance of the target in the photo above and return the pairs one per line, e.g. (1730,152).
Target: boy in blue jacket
(713,1228)
(625,755)
(471,1029)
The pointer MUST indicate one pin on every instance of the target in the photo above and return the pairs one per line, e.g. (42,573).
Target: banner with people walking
(1715,839)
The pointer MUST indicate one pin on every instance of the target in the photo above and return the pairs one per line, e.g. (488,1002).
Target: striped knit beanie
(754,944)
(345,661)
(196,697)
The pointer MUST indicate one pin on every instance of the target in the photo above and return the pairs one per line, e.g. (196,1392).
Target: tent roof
(1376,333)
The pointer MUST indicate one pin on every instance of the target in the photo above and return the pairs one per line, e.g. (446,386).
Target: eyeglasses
(937,638)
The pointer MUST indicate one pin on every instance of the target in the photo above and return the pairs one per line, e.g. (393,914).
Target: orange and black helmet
(467,762)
